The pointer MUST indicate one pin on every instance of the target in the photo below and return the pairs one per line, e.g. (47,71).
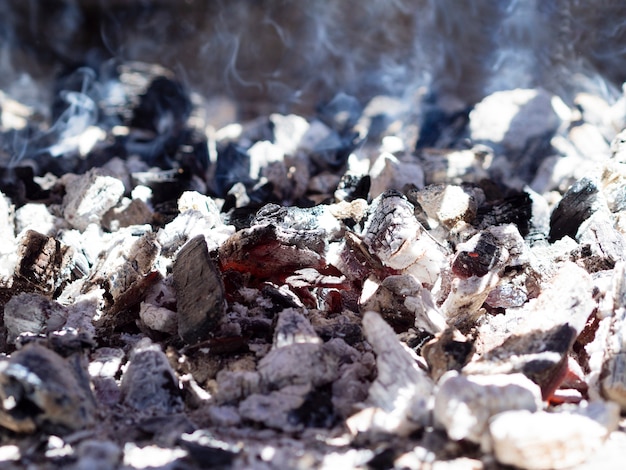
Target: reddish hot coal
(382,281)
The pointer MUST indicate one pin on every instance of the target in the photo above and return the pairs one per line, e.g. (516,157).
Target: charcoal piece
(19,185)
(200,291)
(578,203)
(163,108)
(449,350)
(293,327)
(601,246)
(447,204)
(317,410)
(88,197)
(32,313)
(125,270)
(479,261)
(267,251)
(275,409)
(166,185)
(398,375)
(309,364)
(149,384)
(42,261)
(233,166)
(317,221)
(541,355)
(403,303)
(41,390)
(207,450)
(515,209)
(352,187)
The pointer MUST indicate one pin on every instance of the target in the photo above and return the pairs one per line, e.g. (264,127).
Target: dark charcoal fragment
(353,187)
(233,166)
(41,258)
(163,108)
(478,262)
(200,291)
(515,209)
(579,202)
(340,113)
(41,390)
(149,383)
(317,410)
(540,355)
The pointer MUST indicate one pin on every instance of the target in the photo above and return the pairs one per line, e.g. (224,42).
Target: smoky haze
(292,55)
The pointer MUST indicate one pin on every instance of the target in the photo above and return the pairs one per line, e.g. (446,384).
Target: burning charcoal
(540,355)
(37,217)
(268,250)
(88,197)
(449,350)
(149,384)
(43,262)
(32,313)
(464,405)
(398,376)
(403,303)
(40,389)
(476,270)
(393,235)
(390,172)
(577,205)
(200,292)
(543,440)
(447,204)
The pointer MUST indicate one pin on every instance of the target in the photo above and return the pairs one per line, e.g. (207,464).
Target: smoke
(289,56)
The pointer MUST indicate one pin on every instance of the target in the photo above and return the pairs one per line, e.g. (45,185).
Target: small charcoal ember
(406,250)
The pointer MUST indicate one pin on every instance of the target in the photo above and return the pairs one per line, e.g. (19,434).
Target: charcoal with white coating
(41,390)
(34,314)
(200,292)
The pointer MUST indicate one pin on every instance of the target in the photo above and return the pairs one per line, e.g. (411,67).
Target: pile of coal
(353,288)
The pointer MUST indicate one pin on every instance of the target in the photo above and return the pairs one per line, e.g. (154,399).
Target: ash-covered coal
(378,281)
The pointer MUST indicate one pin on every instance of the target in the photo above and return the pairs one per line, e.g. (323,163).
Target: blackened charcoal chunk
(200,291)
(233,166)
(515,209)
(317,410)
(41,390)
(479,261)
(541,355)
(163,108)
(353,187)
(579,202)
(18,184)
(149,383)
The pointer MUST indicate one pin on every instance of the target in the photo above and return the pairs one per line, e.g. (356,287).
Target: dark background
(280,55)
